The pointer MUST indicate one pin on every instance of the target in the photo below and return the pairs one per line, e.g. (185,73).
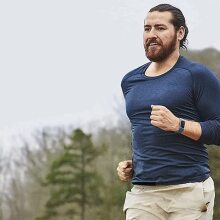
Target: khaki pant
(190,201)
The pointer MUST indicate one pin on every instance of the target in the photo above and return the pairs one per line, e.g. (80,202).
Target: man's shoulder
(137,71)
(193,67)
(198,71)
(188,64)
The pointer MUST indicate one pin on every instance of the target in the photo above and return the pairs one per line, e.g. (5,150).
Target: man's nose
(152,33)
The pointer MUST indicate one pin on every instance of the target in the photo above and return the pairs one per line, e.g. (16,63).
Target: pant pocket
(208,193)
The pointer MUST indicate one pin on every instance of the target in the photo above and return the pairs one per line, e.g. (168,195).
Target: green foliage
(74,182)
(49,214)
(118,139)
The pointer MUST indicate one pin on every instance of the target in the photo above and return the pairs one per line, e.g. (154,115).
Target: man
(174,108)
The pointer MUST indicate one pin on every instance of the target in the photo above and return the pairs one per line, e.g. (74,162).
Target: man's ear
(180,33)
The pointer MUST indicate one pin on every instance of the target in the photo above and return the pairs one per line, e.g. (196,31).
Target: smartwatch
(181,126)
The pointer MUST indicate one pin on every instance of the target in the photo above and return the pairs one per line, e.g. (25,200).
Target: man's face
(160,36)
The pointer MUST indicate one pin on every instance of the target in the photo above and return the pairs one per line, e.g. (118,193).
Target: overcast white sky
(62,61)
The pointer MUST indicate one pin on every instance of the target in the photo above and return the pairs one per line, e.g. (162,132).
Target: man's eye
(147,29)
(160,28)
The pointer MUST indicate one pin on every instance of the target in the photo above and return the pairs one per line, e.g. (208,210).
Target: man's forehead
(158,17)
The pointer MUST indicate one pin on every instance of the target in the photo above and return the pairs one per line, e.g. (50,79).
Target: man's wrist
(181,126)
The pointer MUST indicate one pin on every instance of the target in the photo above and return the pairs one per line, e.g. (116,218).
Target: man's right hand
(125,170)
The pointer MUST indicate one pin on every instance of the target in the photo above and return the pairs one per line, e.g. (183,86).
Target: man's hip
(183,201)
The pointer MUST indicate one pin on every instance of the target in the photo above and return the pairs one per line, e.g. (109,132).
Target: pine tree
(72,179)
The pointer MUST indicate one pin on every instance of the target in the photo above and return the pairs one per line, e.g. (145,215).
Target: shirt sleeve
(207,100)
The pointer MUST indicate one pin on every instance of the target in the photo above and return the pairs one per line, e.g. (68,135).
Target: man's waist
(173,181)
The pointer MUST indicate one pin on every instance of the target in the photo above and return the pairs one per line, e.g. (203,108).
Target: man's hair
(178,19)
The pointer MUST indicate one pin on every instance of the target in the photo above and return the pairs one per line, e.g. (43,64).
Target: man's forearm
(192,130)
(164,119)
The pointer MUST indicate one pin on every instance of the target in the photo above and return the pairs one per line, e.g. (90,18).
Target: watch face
(182,123)
(181,126)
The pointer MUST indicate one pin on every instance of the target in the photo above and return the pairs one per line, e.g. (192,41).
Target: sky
(61,62)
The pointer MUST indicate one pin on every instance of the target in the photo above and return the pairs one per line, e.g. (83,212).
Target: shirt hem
(197,179)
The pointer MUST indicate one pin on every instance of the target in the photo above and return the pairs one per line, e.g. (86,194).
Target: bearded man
(173,105)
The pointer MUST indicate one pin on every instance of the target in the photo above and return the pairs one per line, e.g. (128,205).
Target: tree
(24,171)
(72,179)
(118,142)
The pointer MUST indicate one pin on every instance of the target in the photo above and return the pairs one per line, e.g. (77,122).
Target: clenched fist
(125,170)
(163,118)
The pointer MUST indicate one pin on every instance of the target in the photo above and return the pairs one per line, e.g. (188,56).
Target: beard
(160,52)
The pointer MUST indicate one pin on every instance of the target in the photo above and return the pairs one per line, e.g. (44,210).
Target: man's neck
(158,68)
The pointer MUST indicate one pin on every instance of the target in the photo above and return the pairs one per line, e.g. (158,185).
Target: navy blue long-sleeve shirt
(190,91)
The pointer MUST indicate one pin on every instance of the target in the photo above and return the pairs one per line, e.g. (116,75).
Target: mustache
(148,42)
